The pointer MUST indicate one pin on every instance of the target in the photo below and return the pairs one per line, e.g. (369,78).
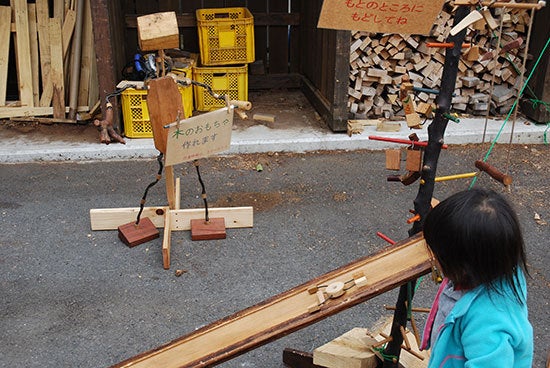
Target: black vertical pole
(422,202)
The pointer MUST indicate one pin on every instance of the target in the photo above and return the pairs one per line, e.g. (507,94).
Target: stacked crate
(226,41)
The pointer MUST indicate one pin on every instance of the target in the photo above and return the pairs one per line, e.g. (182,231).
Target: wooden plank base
(132,234)
(212,229)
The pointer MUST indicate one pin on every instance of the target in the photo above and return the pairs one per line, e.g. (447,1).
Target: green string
(512,108)
(384,356)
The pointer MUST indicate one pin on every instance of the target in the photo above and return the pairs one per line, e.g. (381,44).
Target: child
(479,315)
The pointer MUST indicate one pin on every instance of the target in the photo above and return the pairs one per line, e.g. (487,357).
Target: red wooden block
(208,230)
(132,234)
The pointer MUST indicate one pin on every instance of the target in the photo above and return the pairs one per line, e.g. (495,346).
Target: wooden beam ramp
(294,309)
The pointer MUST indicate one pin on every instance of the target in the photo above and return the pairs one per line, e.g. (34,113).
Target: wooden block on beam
(158,31)
(212,229)
(132,234)
(393,159)
(414,160)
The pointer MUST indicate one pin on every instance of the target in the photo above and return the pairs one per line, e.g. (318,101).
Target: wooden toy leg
(166,241)
(170,187)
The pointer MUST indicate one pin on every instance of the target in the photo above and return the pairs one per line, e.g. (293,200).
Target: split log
(380,63)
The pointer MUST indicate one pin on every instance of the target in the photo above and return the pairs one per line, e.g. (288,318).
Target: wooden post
(75,65)
(104,53)
(5,22)
(56,71)
(23,57)
(422,202)
(42,22)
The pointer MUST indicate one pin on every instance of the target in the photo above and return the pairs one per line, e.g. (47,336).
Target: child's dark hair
(476,237)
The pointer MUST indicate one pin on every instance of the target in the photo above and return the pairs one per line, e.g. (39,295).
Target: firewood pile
(379,63)
(54,59)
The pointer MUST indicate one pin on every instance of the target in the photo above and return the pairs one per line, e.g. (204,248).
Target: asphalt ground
(73,297)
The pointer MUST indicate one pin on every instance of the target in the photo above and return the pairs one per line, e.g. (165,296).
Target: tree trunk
(422,202)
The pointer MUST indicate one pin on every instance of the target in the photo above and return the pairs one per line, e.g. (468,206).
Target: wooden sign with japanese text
(380,16)
(199,136)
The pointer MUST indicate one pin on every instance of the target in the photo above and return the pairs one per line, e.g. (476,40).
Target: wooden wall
(324,66)
(275,27)
(291,52)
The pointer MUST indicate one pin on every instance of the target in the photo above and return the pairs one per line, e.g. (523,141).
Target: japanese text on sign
(383,16)
(199,136)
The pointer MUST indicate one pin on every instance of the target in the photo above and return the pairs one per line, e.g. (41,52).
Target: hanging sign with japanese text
(199,136)
(381,16)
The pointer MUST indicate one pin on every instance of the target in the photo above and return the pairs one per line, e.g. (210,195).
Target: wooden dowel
(402,141)
(405,338)
(499,4)
(457,176)
(453,177)
(413,352)
(421,310)
(448,45)
(494,172)
(413,219)
(415,330)
(382,342)
(385,237)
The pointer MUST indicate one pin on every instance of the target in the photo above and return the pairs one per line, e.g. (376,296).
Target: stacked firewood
(379,63)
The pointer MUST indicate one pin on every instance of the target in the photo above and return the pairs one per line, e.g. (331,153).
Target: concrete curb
(260,139)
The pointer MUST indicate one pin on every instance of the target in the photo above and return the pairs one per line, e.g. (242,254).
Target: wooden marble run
(294,309)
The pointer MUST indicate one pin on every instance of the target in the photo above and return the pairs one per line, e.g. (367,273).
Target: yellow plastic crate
(231,81)
(226,36)
(136,114)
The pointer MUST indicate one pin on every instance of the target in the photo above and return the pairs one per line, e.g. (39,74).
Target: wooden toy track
(292,310)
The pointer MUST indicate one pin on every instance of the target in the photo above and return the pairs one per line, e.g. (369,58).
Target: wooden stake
(33,39)
(56,72)
(42,19)
(75,65)
(494,172)
(393,159)
(23,55)
(5,32)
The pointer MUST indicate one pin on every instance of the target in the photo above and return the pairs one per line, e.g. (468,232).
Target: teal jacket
(484,329)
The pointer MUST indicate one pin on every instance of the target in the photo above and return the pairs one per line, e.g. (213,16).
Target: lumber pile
(379,63)
(53,47)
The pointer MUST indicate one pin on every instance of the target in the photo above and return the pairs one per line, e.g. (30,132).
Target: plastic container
(226,36)
(231,81)
(136,114)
